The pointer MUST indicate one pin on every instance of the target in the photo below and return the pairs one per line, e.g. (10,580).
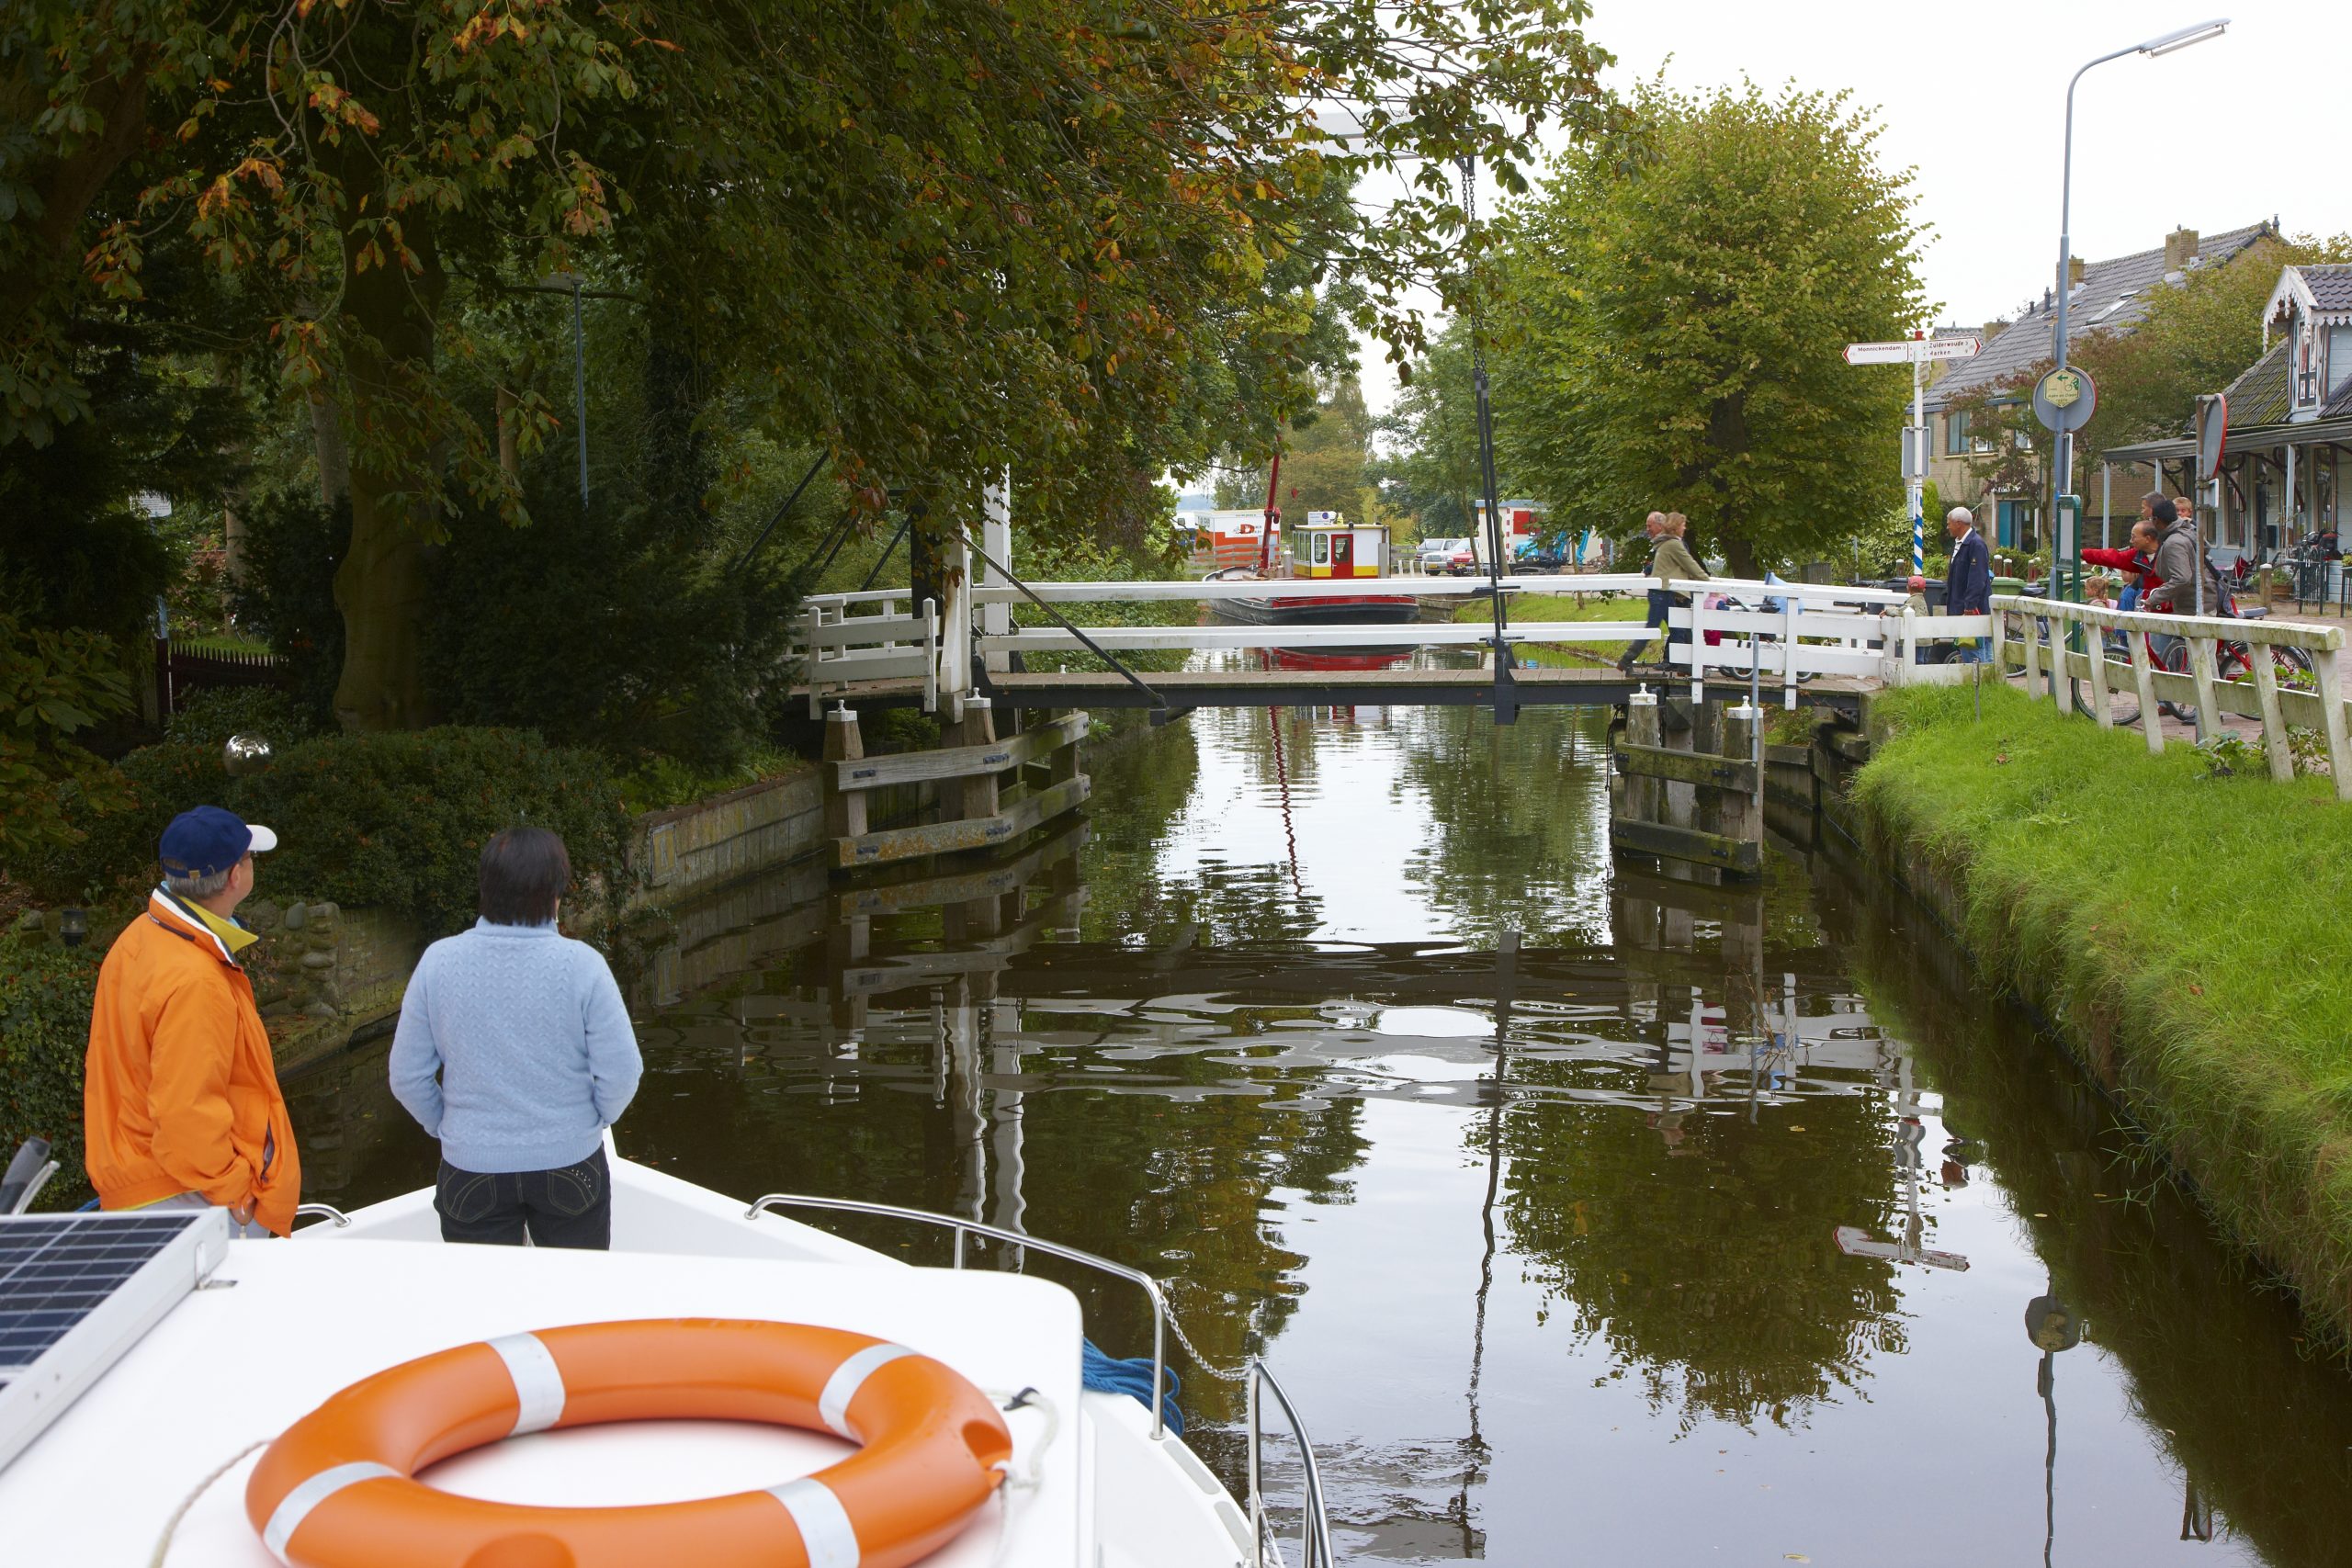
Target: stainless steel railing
(1315,1529)
(963,1227)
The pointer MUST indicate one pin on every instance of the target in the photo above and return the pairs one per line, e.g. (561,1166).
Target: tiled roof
(2340,405)
(2113,294)
(2259,394)
(2331,285)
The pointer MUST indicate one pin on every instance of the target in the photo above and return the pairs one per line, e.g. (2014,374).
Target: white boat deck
(279,1328)
(282,1327)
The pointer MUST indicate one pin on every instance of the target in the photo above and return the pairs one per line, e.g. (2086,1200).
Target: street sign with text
(1907,351)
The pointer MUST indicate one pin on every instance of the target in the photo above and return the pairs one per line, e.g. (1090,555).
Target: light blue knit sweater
(513,1048)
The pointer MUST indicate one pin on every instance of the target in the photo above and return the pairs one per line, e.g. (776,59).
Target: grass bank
(1540,607)
(2188,933)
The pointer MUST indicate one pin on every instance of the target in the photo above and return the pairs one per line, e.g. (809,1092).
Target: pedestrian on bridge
(1968,581)
(1670,562)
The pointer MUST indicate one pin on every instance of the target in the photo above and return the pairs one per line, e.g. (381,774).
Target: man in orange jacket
(179,1097)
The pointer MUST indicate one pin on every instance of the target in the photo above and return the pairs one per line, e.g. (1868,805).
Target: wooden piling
(1642,791)
(1739,813)
(844,809)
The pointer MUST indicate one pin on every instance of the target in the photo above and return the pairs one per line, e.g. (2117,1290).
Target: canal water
(1590,1216)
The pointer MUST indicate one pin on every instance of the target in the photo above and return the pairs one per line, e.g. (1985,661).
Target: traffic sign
(2066,400)
(1907,350)
(2212,434)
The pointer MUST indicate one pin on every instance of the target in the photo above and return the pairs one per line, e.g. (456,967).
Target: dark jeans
(1661,599)
(572,1206)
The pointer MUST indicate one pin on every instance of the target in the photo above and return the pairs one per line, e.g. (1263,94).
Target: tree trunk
(327,444)
(387,332)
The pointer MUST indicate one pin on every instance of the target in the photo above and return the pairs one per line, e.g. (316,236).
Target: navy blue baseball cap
(207,841)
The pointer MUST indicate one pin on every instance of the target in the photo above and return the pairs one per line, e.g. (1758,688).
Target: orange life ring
(338,1489)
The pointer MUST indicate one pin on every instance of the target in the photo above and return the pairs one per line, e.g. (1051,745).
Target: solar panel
(77,1291)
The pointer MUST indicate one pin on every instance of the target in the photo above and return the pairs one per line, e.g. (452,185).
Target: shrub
(53,685)
(45,993)
(399,820)
(215,713)
(393,820)
(119,817)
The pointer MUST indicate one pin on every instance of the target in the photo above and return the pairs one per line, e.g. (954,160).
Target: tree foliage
(937,238)
(1678,296)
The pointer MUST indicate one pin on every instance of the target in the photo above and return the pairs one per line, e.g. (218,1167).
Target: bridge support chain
(1702,808)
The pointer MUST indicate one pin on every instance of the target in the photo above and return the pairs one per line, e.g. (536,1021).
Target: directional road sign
(1904,351)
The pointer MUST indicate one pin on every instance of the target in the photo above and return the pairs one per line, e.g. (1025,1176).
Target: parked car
(1434,553)
(1460,558)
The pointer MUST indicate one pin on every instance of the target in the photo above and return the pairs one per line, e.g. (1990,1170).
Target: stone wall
(690,849)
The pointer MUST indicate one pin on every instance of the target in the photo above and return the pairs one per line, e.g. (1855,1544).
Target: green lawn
(2188,932)
(1537,607)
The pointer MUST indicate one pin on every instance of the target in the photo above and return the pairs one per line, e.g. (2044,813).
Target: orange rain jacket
(179,1093)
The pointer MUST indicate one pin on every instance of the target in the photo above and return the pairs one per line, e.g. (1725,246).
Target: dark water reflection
(1591,1216)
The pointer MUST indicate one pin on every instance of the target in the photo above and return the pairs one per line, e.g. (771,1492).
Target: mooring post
(1739,814)
(844,809)
(976,793)
(1642,730)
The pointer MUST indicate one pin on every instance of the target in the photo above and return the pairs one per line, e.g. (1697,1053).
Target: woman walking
(514,1049)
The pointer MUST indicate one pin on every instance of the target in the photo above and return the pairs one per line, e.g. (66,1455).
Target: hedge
(45,994)
(394,821)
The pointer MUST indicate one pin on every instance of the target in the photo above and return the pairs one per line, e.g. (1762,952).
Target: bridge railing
(1812,629)
(2285,675)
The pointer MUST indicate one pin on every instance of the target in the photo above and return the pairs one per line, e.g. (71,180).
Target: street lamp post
(2062,452)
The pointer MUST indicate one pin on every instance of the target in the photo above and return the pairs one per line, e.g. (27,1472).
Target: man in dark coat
(1968,583)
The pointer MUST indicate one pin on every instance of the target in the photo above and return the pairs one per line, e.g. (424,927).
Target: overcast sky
(1973,100)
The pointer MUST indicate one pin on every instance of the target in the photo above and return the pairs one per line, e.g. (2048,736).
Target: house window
(1956,434)
(2339,359)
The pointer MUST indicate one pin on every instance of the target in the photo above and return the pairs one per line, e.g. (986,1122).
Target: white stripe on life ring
(824,1524)
(833,1405)
(538,1384)
(295,1506)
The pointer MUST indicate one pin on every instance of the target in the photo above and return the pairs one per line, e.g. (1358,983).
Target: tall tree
(941,238)
(1677,298)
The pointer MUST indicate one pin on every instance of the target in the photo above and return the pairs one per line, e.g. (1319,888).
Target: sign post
(1915,351)
(2064,400)
(2213,443)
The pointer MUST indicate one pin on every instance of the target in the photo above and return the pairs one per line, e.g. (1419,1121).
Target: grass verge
(2188,933)
(1538,607)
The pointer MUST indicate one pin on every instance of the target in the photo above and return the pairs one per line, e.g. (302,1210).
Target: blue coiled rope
(1104,1372)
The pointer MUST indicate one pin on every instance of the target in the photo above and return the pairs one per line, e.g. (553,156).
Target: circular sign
(2066,400)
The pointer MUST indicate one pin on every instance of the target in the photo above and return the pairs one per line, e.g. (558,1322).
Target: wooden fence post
(2144,676)
(2102,695)
(2061,664)
(2200,669)
(2331,707)
(2000,630)
(2032,653)
(2274,723)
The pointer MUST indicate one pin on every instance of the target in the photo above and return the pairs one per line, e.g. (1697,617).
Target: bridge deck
(1537,686)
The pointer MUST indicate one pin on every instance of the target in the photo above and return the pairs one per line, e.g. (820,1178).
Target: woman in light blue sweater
(514,1049)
